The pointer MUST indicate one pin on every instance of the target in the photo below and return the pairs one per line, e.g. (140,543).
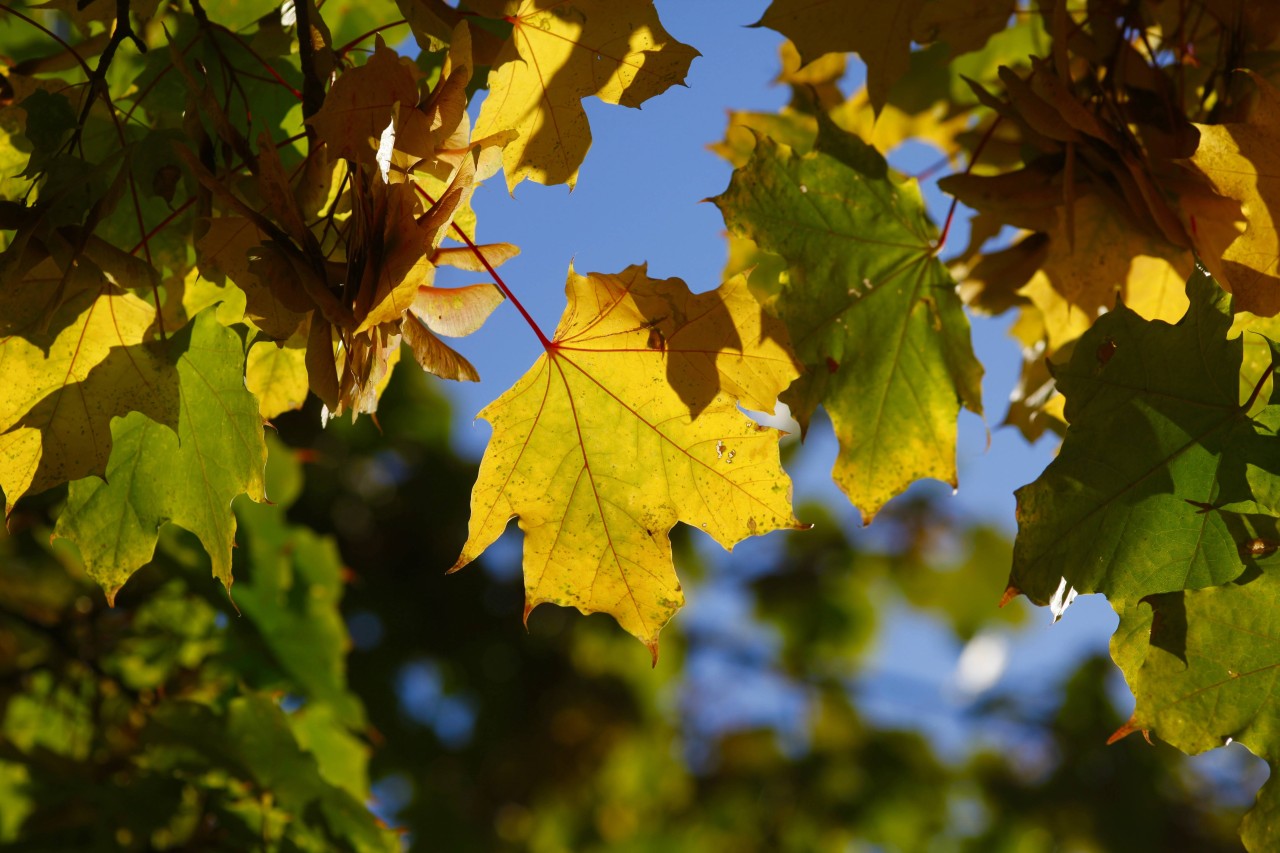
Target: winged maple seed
(395,171)
(627,424)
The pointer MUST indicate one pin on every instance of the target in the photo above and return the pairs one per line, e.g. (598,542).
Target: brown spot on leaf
(832,365)
(1258,548)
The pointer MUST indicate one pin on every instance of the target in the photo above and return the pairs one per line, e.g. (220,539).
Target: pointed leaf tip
(1010,593)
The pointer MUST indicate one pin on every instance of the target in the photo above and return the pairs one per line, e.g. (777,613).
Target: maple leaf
(275,301)
(874,314)
(560,52)
(1110,259)
(188,477)
(1239,243)
(63,386)
(628,424)
(359,105)
(1118,511)
(1207,678)
(276,373)
(882,33)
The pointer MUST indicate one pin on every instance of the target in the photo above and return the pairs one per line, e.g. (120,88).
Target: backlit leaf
(628,424)
(277,376)
(560,52)
(1156,433)
(1100,258)
(359,105)
(874,314)
(63,388)
(1238,159)
(188,478)
(882,33)
(1208,678)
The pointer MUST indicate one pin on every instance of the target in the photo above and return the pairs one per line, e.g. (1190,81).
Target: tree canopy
(221,224)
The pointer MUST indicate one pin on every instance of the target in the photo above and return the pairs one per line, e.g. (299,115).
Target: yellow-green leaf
(63,386)
(628,424)
(874,313)
(277,375)
(188,478)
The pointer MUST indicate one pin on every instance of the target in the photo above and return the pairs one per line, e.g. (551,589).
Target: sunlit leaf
(277,376)
(882,33)
(1239,244)
(1208,678)
(188,478)
(561,52)
(628,424)
(874,314)
(63,389)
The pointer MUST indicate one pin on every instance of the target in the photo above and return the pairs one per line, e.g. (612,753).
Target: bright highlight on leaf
(1239,243)
(63,386)
(874,314)
(628,424)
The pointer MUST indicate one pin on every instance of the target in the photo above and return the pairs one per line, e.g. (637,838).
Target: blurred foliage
(174,722)
(181,719)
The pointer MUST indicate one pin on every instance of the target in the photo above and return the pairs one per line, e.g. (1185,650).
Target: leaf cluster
(210,215)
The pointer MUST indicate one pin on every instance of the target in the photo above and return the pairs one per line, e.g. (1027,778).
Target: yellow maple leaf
(628,424)
(1239,245)
(64,386)
(276,374)
(559,53)
(1111,257)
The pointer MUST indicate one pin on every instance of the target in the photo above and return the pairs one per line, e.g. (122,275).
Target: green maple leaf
(1157,434)
(1208,679)
(188,478)
(874,315)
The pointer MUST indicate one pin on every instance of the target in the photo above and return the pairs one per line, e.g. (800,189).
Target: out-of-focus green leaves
(236,729)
